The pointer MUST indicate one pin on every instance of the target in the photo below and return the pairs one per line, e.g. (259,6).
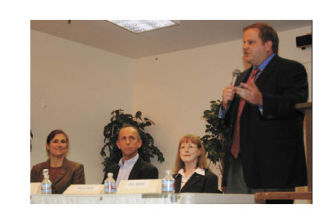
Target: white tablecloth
(181,198)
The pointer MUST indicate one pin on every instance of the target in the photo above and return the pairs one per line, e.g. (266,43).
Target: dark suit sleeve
(291,88)
(151,172)
(177,182)
(78,177)
(211,184)
(155,173)
(143,170)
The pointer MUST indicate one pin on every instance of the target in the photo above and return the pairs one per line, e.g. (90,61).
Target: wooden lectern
(261,197)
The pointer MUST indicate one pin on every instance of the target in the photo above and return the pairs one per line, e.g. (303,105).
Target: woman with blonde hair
(191,169)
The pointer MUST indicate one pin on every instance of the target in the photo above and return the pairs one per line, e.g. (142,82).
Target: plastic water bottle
(168,183)
(109,184)
(46,183)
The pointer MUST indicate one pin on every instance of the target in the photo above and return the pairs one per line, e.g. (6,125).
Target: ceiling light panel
(139,26)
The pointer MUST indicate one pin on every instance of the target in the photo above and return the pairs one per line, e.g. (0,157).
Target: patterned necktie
(235,148)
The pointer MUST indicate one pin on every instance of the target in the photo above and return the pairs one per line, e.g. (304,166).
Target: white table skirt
(181,198)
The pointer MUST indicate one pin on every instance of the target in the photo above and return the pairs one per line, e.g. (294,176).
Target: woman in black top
(191,169)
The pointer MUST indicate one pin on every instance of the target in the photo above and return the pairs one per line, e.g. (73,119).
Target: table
(180,198)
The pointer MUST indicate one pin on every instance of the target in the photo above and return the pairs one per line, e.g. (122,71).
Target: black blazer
(271,144)
(140,170)
(198,183)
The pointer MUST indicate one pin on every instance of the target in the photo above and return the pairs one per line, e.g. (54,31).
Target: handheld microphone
(235,75)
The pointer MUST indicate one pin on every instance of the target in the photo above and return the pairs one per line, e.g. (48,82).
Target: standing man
(266,150)
(130,166)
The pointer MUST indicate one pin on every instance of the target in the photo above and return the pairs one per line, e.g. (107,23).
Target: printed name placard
(35,188)
(151,186)
(84,189)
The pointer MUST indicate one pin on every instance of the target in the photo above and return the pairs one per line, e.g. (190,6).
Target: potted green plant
(147,151)
(214,140)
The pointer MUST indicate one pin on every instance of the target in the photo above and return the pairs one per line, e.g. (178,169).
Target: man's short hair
(266,33)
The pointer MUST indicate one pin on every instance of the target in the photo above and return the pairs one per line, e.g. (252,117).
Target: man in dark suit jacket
(140,170)
(271,155)
(131,166)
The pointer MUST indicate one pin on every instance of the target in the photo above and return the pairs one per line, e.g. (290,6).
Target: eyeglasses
(189,146)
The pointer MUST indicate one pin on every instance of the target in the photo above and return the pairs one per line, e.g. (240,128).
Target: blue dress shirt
(261,67)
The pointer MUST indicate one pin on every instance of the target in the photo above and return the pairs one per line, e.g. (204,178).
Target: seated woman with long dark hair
(62,172)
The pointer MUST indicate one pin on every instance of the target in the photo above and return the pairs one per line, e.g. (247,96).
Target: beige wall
(75,87)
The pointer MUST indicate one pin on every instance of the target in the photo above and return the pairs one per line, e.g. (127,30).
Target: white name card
(35,188)
(151,186)
(84,189)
